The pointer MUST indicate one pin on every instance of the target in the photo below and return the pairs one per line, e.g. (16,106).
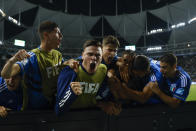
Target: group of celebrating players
(41,79)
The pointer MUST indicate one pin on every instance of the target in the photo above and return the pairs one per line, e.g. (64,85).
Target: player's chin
(11,88)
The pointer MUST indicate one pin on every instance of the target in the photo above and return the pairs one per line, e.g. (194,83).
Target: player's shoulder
(56,52)
(182,72)
(67,70)
(102,67)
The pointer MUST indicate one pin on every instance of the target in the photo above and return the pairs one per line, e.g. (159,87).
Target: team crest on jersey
(173,87)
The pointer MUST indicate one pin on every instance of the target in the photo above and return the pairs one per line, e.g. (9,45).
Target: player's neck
(44,47)
(173,74)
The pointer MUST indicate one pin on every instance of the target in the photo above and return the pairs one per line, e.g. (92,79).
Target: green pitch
(192,93)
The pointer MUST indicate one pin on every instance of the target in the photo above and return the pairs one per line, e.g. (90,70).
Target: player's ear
(82,55)
(174,66)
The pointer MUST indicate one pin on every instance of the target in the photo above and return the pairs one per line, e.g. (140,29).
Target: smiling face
(91,56)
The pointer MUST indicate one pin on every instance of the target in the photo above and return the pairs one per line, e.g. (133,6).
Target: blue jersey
(177,87)
(153,76)
(40,78)
(93,88)
(10,99)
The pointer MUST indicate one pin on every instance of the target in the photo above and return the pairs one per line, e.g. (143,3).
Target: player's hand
(3,111)
(73,64)
(111,73)
(76,87)
(115,86)
(154,87)
(19,56)
(110,108)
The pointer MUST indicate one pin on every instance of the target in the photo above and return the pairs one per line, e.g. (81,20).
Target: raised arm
(11,68)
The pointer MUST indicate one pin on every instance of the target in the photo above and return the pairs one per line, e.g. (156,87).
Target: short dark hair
(141,63)
(91,43)
(46,26)
(169,58)
(110,40)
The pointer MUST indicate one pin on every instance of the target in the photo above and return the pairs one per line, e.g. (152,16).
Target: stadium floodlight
(2,13)
(155,31)
(131,47)
(192,20)
(173,26)
(19,42)
(14,20)
(180,24)
(156,48)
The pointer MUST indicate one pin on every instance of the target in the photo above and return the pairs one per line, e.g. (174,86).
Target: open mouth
(92,65)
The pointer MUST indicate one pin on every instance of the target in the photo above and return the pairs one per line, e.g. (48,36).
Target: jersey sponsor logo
(180,91)
(173,87)
(89,88)
(52,71)
(65,98)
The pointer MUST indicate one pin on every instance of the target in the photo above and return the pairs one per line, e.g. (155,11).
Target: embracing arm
(139,96)
(171,101)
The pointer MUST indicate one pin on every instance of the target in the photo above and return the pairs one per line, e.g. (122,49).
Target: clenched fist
(76,87)
(19,56)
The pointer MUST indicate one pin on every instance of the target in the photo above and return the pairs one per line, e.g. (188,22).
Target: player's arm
(171,101)
(139,96)
(11,68)
(67,90)
(106,102)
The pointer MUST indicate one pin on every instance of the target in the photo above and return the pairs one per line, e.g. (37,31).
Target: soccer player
(10,94)
(41,67)
(85,87)
(141,75)
(110,45)
(175,82)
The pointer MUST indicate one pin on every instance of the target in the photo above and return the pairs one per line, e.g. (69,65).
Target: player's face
(54,38)
(13,82)
(124,60)
(166,69)
(109,51)
(92,57)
